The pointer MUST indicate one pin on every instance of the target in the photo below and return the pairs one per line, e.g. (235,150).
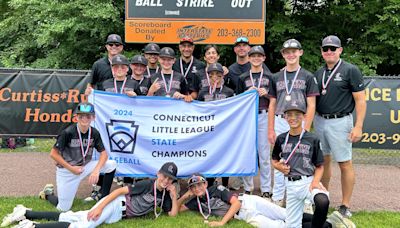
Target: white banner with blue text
(217,138)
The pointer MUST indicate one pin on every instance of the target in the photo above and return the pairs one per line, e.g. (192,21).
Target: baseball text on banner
(215,138)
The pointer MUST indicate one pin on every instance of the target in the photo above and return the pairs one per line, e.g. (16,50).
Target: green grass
(379,219)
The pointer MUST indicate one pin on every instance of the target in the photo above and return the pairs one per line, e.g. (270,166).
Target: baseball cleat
(345,211)
(267,196)
(17,215)
(47,190)
(338,221)
(308,208)
(26,223)
(280,203)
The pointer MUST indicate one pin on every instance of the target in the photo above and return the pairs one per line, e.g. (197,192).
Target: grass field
(188,219)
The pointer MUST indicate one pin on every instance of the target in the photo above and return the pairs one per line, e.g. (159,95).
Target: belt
(296,178)
(123,209)
(281,116)
(334,116)
(262,111)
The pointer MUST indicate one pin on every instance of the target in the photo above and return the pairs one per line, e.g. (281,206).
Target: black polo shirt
(339,98)
(191,78)
(235,70)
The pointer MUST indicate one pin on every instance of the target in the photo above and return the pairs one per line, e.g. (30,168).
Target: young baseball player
(216,90)
(218,201)
(73,156)
(138,66)
(294,83)
(151,52)
(258,79)
(142,198)
(168,82)
(298,156)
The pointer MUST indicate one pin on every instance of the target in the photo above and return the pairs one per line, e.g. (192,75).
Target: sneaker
(280,203)
(266,195)
(236,183)
(47,190)
(308,208)
(17,215)
(120,181)
(248,192)
(338,221)
(345,211)
(26,223)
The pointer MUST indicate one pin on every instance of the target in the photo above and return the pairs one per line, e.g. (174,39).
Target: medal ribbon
(208,206)
(168,91)
(148,71)
(324,85)
(155,200)
(295,148)
(84,152)
(288,91)
(122,87)
(187,70)
(259,80)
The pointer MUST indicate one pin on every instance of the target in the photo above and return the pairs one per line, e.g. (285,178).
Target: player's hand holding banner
(216,138)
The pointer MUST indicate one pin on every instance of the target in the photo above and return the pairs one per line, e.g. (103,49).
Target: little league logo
(122,136)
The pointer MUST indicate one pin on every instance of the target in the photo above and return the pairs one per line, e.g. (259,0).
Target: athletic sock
(107,182)
(52,199)
(48,215)
(53,225)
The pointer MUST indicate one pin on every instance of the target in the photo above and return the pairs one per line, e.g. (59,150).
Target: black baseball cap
(293,106)
(152,48)
(169,169)
(215,67)
(119,60)
(195,179)
(114,38)
(242,39)
(186,39)
(139,59)
(331,41)
(257,50)
(291,43)
(167,52)
(85,108)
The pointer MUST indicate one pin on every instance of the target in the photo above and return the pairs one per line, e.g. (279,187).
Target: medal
(324,85)
(294,149)
(289,91)
(84,152)
(208,207)
(122,87)
(155,200)
(187,70)
(167,90)
(259,80)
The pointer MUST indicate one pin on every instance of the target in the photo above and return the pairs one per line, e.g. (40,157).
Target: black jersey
(130,85)
(140,199)
(144,85)
(151,71)
(307,156)
(304,86)
(220,199)
(69,147)
(219,94)
(245,83)
(236,69)
(339,98)
(101,71)
(178,84)
(204,81)
(191,74)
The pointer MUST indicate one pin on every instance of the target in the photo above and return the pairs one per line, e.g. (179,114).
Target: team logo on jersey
(338,77)
(122,136)
(194,69)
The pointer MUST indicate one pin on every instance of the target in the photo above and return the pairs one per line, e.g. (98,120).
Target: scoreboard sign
(205,21)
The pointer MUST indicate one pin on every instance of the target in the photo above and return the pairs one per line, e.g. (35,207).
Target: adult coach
(342,89)
(101,69)
(188,65)
(242,64)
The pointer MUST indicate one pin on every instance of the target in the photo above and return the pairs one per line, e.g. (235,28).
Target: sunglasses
(114,44)
(86,108)
(325,49)
(195,180)
(242,39)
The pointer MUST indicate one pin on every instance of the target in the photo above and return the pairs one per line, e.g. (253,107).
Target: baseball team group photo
(199,114)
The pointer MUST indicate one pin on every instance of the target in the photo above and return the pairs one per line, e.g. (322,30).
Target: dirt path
(376,187)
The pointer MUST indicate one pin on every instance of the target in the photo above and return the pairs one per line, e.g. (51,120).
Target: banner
(205,21)
(215,138)
(39,103)
(382,121)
